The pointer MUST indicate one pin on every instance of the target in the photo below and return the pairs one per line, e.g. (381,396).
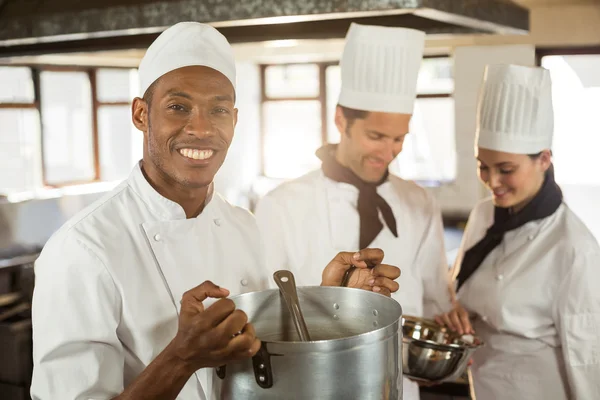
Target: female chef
(528,268)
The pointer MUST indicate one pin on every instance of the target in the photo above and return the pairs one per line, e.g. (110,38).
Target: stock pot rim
(380,333)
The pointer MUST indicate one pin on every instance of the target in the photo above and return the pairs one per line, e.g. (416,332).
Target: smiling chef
(353,201)
(527,272)
(119,307)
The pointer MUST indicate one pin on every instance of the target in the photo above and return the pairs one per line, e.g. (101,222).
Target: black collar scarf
(369,201)
(543,205)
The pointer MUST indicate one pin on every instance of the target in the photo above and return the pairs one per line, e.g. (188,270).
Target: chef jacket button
(485,318)
(530,237)
(244,282)
(157,237)
(217,222)
(500,277)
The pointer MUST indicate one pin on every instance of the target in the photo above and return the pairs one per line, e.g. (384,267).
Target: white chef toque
(380,66)
(186,44)
(514,114)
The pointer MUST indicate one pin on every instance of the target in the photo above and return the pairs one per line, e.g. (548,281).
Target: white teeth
(196,154)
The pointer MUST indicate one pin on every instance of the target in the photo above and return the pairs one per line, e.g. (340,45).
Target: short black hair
(149,93)
(352,115)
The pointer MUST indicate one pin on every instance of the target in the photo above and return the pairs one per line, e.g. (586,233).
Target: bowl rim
(446,346)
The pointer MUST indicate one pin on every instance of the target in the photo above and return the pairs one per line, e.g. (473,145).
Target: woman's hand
(457,320)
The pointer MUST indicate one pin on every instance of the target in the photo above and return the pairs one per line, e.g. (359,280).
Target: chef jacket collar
(161,206)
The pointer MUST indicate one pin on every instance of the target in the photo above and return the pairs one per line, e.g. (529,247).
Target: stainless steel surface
(29,224)
(433,353)
(287,285)
(354,352)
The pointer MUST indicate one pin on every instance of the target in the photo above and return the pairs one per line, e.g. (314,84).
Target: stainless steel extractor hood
(30,27)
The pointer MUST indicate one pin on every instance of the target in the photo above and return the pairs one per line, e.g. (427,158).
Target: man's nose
(200,124)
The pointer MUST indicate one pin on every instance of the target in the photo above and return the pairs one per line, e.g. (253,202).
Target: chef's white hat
(514,114)
(186,44)
(380,66)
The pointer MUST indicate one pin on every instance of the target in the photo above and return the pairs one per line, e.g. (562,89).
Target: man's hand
(370,274)
(215,336)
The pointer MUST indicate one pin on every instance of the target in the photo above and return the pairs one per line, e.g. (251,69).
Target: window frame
(322,98)
(541,52)
(91,71)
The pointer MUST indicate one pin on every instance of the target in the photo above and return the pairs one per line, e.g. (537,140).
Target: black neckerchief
(543,205)
(369,201)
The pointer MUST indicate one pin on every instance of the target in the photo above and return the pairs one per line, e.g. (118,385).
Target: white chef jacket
(305,222)
(109,284)
(536,305)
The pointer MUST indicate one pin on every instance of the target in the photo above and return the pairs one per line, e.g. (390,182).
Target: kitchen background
(68,76)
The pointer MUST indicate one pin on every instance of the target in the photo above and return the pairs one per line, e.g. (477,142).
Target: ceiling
(34,27)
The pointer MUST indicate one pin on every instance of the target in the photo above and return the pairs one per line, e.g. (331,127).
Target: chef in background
(528,271)
(353,201)
(121,304)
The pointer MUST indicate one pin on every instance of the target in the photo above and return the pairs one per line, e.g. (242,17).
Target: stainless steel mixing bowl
(433,353)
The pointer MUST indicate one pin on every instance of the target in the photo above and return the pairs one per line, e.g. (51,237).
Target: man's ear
(340,121)
(139,114)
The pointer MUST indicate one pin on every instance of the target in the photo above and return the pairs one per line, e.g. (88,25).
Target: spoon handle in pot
(347,275)
(287,286)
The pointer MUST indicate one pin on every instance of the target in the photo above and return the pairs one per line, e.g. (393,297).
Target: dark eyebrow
(224,97)
(501,164)
(176,93)
(386,135)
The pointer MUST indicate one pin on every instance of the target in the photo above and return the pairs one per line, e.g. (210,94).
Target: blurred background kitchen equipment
(433,353)
(287,285)
(354,352)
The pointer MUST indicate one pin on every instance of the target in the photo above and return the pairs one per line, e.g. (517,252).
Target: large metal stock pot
(353,352)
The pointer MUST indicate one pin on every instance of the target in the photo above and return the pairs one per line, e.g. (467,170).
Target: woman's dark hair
(537,155)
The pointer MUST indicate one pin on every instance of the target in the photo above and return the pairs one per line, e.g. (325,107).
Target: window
(429,153)
(576,99)
(61,126)
(19,131)
(299,102)
(119,141)
(292,123)
(68,142)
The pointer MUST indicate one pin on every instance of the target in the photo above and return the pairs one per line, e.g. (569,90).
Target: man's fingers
(233,324)
(346,259)
(387,271)
(382,290)
(191,301)
(386,283)
(207,289)
(219,311)
(241,346)
(371,257)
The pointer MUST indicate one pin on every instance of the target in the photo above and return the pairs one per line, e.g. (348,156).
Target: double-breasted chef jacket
(110,281)
(304,220)
(535,301)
